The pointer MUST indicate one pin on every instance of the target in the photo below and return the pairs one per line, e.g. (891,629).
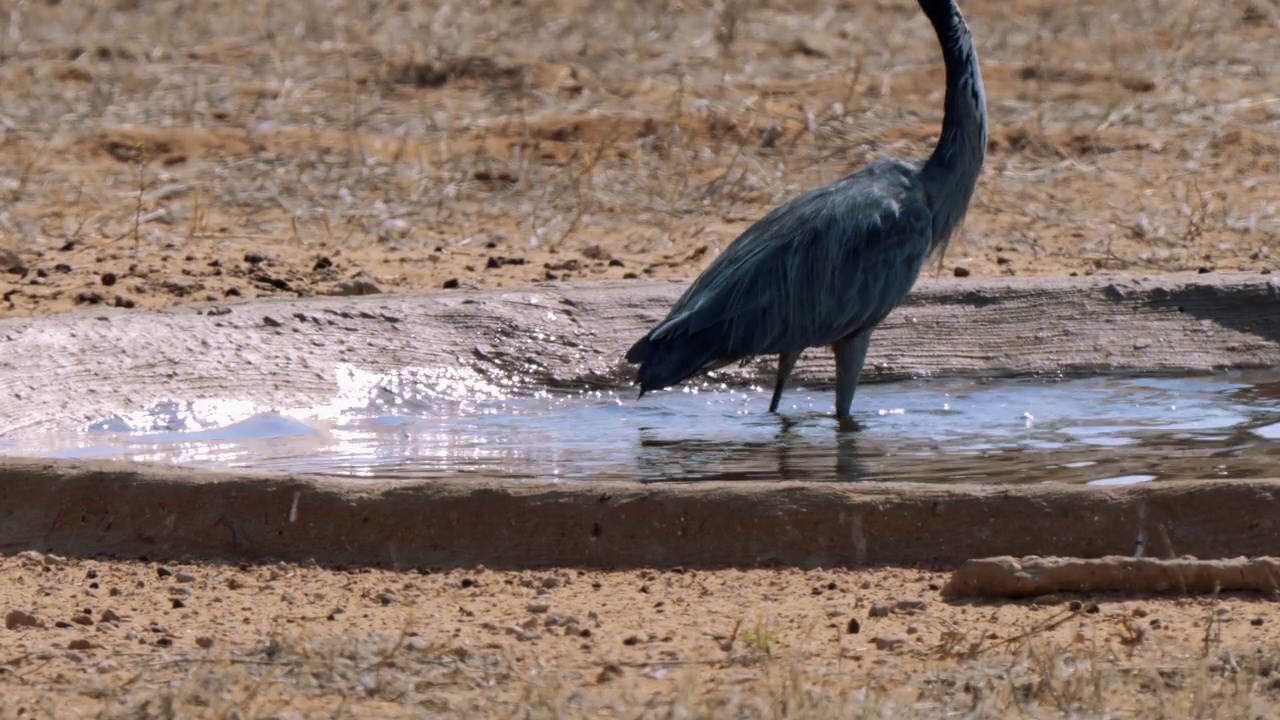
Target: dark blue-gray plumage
(826,267)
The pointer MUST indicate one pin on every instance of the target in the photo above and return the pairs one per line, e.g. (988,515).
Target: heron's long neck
(951,172)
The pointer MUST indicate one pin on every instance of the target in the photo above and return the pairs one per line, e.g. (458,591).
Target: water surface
(1104,431)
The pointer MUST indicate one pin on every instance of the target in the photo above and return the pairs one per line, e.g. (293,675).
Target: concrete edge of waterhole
(59,371)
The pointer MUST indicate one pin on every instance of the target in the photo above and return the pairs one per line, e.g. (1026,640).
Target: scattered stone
(109,279)
(11,263)
(255,258)
(450,284)
(1002,260)
(1205,269)
(912,630)
(62,268)
(854,627)
(879,609)
(595,252)
(30,558)
(21,618)
(183,576)
(388,598)
(888,642)
(177,603)
(551,581)
(1046,600)
(82,619)
(89,297)
(538,606)
(204,641)
(962,271)
(123,302)
(359,285)
(269,321)
(522,634)
(913,605)
(163,571)
(82,644)
(609,672)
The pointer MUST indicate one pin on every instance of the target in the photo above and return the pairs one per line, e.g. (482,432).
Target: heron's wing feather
(830,263)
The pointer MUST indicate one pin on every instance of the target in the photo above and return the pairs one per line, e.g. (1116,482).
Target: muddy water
(1104,431)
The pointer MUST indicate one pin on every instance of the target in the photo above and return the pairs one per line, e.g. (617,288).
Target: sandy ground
(183,639)
(258,149)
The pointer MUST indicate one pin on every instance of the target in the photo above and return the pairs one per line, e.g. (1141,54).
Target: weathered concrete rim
(125,509)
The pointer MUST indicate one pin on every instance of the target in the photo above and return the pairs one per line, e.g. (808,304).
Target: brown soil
(258,149)
(252,151)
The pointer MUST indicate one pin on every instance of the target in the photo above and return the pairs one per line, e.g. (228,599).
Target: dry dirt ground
(153,152)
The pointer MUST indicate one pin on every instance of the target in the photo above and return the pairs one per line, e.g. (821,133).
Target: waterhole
(419,424)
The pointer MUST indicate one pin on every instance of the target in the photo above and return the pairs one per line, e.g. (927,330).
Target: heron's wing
(828,264)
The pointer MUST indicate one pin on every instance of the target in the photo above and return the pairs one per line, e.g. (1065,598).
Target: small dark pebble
(1204,270)
(631,640)
(68,246)
(1256,622)
(62,268)
(615,262)
(164,642)
(1074,606)
(467,582)
(1092,608)
(961,271)
(109,279)
(89,297)
(322,263)
(123,302)
(629,276)
(163,571)
(177,603)
(232,292)
(255,258)
(270,321)
(450,284)
(42,273)
(1002,260)
(854,627)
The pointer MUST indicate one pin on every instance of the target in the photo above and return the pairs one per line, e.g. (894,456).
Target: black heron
(825,268)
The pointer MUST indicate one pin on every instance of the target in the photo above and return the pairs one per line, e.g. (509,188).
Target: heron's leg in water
(786,361)
(850,352)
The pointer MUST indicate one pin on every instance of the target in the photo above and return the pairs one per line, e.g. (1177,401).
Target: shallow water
(1104,431)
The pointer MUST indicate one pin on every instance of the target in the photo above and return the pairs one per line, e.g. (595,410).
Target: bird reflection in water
(789,455)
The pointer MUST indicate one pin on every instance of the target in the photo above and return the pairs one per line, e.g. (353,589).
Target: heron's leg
(786,361)
(851,353)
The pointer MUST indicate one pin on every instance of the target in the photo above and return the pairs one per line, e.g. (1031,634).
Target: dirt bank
(64,371)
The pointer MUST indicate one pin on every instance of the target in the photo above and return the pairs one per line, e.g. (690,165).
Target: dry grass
(419,142)
(285,641)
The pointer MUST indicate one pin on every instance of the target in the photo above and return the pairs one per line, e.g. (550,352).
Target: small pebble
(879,609)
(961,271)
(854,627)
(910,606)
(82,644)
(20,618)
(183,576)
(1046,600)
(204,641)
(538,606)
(888,642)
(163,571)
